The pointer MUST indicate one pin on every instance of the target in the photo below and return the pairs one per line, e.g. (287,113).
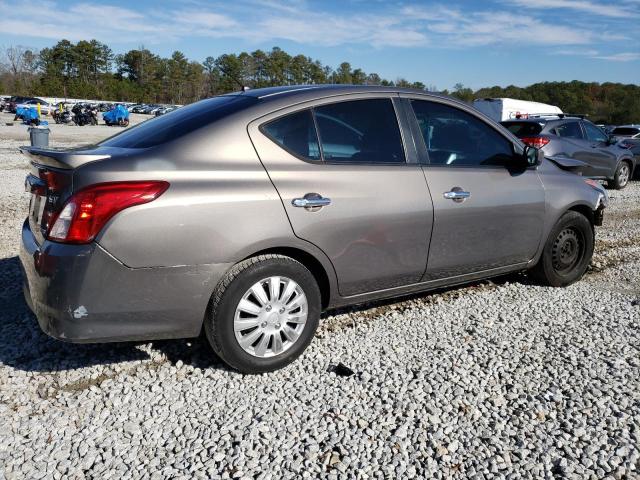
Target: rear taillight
(88,210)
(56,181)
(537,142)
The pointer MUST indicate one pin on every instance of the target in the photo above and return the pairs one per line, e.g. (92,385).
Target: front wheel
(567,252)
(263,313)
(622,176)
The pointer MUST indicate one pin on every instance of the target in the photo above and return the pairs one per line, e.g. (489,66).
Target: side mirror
(611,140)
(532,157)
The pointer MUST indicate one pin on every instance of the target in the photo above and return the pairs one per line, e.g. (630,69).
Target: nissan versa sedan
(246,215)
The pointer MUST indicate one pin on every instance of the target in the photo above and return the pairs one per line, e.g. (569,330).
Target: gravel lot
(500,379)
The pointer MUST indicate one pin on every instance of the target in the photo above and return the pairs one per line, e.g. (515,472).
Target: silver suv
(574,139)
(248,214)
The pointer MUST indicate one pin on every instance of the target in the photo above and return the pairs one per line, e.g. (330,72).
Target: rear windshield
(179,122)
(523,129)
(625,131)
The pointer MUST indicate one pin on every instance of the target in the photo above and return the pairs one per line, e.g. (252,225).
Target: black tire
(219,323)
(622,175)
(567,251)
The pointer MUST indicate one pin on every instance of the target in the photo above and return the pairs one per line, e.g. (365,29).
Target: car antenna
(243,87)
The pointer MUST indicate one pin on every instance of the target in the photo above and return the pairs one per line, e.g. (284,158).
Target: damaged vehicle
(574,140)
(248,214)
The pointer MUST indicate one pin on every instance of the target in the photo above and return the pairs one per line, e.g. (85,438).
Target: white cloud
(612,10)
(436,25)
(619,57)
(492,28)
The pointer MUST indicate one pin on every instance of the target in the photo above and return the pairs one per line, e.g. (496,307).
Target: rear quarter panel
(219,207)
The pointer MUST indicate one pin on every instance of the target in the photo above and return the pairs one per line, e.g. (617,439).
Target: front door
(487,214)
(598,154)
(347,187)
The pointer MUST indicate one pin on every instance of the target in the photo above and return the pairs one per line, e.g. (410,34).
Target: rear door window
(295,133)
(360,131)
(570,130)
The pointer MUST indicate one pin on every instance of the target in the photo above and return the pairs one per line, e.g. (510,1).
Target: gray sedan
(248,214)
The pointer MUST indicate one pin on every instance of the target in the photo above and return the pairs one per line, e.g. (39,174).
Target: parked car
(578,139)
(138,108)
(633,145)
(14,101)
(626,131)
(163,110)
(250,213)
(45,107)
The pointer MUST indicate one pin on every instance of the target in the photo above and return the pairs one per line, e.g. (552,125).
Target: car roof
(319,91)
(544,119)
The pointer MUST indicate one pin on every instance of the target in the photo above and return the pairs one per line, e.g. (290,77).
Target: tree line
(90,69)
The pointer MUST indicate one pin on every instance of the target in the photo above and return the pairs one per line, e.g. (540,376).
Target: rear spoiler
(61,158)
(566,163)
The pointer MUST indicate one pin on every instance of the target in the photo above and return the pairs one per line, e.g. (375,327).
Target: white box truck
(500,109)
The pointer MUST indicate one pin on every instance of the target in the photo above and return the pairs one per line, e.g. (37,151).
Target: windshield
(179,122)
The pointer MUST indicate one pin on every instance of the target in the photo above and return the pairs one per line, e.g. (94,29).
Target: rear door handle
(457,195)
(311,200)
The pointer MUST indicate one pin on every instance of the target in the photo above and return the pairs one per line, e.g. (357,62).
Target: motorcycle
(84,116)
(62,117)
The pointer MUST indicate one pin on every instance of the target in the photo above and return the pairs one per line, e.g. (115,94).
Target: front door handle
(456,194)
(311,201)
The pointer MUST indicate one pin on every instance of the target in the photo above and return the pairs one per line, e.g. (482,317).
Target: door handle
(311,200)
(456,194)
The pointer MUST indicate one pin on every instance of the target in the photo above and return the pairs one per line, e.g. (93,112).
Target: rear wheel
(622,176)
(567,252)
(263,313)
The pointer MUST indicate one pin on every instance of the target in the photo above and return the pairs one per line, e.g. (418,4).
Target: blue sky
(478,43)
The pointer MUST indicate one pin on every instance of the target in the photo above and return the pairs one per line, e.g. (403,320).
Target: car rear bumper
(80,293)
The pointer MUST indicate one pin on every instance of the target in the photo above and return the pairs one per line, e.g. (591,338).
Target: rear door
(352,186)
(487,215)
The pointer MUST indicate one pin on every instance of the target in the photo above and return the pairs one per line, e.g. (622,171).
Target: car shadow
(24,346)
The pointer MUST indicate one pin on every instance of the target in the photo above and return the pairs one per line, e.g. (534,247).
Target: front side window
(457,138)
(570,130)
(360,131)
(594,133)
(296,133)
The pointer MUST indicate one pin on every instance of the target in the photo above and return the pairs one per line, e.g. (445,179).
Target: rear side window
(456,138)
(179,122)
(295,133)
(360,131)
(594,133)
(570,130)
(523,129)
